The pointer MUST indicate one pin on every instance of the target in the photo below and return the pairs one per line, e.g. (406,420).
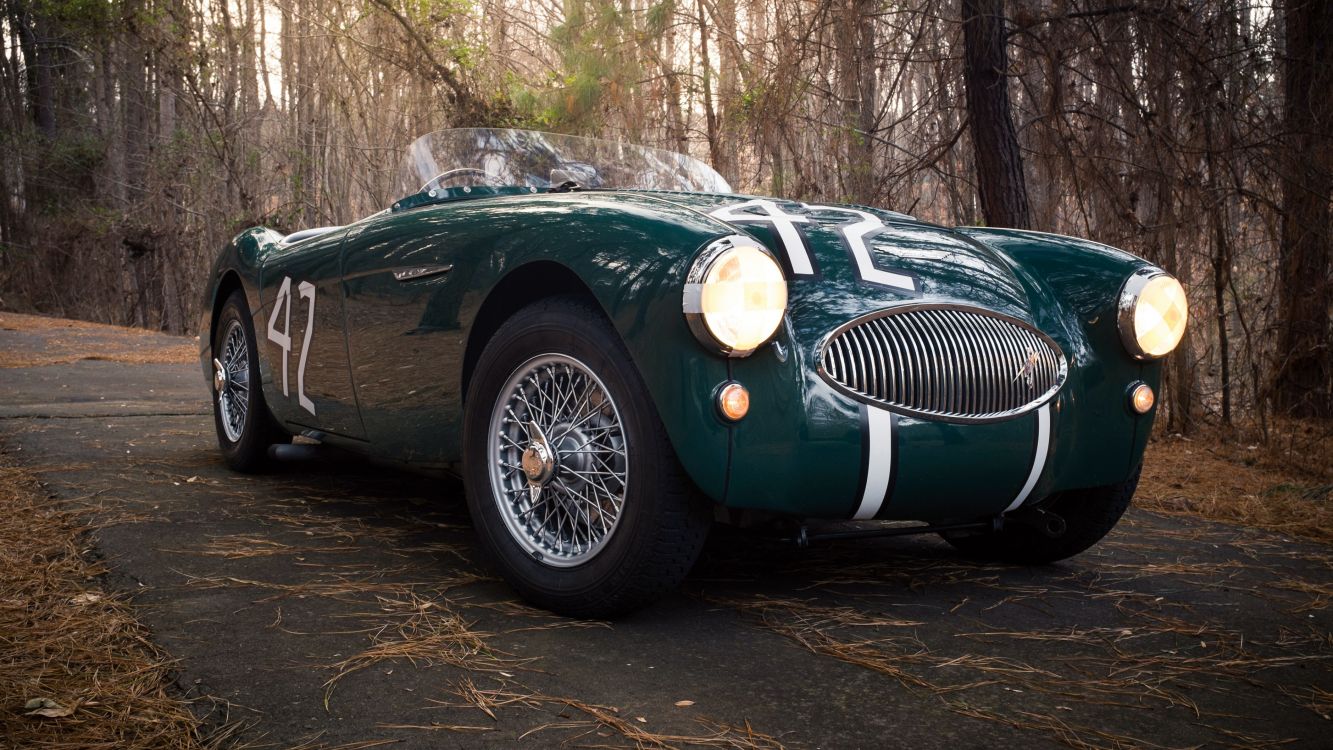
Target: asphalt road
(334,603)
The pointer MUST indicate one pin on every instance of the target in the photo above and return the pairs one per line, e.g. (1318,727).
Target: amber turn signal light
(733,401)
(1141,398)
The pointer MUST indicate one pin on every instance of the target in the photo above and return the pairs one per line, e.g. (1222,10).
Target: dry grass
(242,546)
(1281,490)
(76,669)
(600,725)
(422,626)
(65,341)
(424,631)
(1157,660)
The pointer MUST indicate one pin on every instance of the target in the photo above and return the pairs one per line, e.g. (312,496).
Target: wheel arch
(228,283)
(679,376)
(530,282)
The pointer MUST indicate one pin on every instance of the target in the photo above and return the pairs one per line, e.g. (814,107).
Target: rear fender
(238,262)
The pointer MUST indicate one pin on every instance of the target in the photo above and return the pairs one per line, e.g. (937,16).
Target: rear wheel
(575,491)
(244,427)
(1088,515)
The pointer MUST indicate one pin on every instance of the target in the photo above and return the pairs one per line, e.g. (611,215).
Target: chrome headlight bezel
(696,279)
(1127,305)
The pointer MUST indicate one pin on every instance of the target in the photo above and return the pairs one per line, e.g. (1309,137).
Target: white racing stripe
(783,223)
(855,234)
(880,465)
(1039,459)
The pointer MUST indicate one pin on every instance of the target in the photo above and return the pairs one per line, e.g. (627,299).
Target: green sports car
(615,351)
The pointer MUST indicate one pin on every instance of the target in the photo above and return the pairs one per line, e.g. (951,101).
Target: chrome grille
(945,362)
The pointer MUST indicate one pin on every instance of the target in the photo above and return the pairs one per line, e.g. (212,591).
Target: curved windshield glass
(490,157)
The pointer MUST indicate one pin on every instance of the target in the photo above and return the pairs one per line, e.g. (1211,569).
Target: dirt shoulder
(77,669)
(1286,487)
(46,341)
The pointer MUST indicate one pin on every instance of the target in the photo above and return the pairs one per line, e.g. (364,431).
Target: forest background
(138,135)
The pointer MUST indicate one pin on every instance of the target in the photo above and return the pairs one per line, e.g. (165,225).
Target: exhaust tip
(292,452)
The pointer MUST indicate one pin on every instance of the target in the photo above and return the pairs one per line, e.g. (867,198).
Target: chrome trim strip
(420,272)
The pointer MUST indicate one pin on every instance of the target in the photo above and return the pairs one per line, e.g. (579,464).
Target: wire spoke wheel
(559,460)
(555,418)
(232,381)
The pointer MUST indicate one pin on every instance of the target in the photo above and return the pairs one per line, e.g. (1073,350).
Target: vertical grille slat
(881,362)
(873,369)
(898,376)
(946,362)
(840,350)
(903,377)
(952,365)
(858,362)
(929,362)
(987,364)
(941,361)
(970,359)
(1011,360)
(958,358)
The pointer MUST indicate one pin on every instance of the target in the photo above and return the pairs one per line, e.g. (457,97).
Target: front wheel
(574,489)
(1088,515)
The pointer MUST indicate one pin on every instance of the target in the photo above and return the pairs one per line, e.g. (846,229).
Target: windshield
(489,157)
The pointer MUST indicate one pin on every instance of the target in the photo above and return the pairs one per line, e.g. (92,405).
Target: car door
(404,273)
(307,381)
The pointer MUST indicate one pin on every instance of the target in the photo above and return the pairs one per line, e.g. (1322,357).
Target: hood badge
(1029,367)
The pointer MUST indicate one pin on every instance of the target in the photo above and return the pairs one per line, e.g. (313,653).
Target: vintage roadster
(614,350)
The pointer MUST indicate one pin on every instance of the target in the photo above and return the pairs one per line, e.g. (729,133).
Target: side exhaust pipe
(287,452)
(1048,523)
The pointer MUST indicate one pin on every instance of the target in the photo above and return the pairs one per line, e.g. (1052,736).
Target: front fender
(632,252)
(1102,442)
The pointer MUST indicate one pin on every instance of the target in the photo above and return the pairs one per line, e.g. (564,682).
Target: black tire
(245,450)
(662,520)
(1089,515)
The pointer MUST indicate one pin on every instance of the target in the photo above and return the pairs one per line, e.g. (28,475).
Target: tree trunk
(856,82)
(715,155)
(31,29)
(1304,383)
(999,163)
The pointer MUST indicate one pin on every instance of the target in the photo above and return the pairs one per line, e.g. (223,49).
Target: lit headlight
(1153,313)
(735,296)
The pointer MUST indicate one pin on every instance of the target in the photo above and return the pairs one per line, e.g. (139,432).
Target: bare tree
(1001,187)
(1304,385)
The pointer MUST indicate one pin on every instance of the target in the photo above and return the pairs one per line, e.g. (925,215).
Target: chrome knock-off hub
(219,377)
(538,459)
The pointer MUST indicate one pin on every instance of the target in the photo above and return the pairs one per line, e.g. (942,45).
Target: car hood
(942,264)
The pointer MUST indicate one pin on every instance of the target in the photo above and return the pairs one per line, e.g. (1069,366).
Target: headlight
(735,296)
(1153,313)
